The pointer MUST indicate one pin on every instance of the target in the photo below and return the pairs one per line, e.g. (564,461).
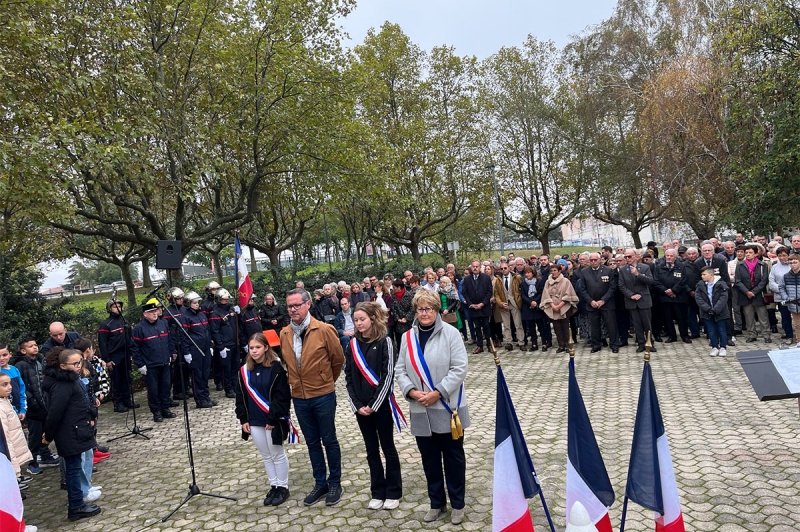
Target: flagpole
(493,351)
(624,513)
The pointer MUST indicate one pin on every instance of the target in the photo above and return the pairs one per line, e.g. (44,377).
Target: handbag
(450,317)
(769,299)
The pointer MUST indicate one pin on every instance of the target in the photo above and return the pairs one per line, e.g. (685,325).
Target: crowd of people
(410,331)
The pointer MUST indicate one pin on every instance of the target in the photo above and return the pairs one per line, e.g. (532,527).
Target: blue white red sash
(263,404)
(372,378)
(421,369)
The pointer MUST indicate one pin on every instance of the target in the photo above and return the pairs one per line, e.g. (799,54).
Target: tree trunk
(637,240)
(146,282)
(275,265)
(253,265)
(129,288)
(218,266)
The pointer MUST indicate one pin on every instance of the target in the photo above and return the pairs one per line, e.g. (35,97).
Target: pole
(497,205)
(624,513)
(327,242)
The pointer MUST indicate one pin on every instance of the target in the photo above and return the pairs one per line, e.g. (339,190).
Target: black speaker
(168,255)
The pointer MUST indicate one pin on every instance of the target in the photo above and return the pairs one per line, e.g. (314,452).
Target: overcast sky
(478,28)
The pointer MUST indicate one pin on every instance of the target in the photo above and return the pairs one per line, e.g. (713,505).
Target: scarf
(751,267)
(531,286)
(298,336)
(399,294)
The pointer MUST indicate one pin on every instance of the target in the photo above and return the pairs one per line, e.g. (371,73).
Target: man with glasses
(597,291)
(477,290)
(635,281)
(59,337)
(314,361)
(510,303)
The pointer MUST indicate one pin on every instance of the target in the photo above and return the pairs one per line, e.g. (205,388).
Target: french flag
(11,502)
(514,481)
(651,477)
(243,284)
(588,486)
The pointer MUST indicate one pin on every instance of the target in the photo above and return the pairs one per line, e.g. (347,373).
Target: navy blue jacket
(151,344)
(112,336)
(69,340)
(224,323)
(249,324)
(198,329)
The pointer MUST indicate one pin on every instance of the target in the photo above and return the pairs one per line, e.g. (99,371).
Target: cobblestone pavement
(737,460)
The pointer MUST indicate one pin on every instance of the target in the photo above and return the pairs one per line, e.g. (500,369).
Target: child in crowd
(17,385)
(712,299)
(18,451)
(70,422)
(97,385)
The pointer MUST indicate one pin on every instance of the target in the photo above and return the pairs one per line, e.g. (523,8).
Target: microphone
(156,289)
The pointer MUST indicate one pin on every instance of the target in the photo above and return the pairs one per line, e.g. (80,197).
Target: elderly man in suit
(634,283)
(477,291)
(597,292)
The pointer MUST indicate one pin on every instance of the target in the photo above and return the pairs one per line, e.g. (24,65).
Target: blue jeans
(72,465)
(87,462)
(316,417)
(694,328)
(717,332)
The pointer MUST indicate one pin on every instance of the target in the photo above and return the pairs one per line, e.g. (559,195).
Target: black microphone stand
(194,489)
(135,430)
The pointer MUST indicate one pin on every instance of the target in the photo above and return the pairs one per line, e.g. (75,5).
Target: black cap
(682,249)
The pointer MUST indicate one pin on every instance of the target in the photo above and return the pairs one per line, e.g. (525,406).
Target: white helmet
(174,293)
(192,296)
(211,285)
(222,294)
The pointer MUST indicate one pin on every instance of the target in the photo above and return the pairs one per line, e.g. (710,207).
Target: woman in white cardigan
(438,405)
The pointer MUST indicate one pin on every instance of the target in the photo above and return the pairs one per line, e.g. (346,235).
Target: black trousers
(121,381)
(482,330)
(178,384)
(675,312)
(543,324)
(378,432)
(157,380)
(609,315)
(641,324)
(435,450)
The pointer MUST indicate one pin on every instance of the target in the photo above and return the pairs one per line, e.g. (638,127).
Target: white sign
(787,362)
(452,246)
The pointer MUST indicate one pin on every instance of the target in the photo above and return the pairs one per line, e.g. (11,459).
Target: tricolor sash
(263,404)
(372,378)
(417,358)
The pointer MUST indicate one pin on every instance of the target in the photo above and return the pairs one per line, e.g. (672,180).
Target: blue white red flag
(11,502)
(514,480)
(651,477)
(243,284)
(587,478)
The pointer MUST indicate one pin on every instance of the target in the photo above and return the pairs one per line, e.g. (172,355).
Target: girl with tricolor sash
(369,373)
(262,406)
(430,370)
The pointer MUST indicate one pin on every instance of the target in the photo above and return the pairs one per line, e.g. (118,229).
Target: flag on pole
(243,284)
(11,502)
(514,480)
(651,477)
(588,484)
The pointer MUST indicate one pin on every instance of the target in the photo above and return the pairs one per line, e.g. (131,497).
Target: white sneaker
(31,528)
(375,504)
(732,341)
(722,352)
(92,496)
(798,344)
(714,352)
(391,504)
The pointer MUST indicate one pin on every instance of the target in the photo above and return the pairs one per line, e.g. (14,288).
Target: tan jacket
(321,360)
(556,290)
(15,438)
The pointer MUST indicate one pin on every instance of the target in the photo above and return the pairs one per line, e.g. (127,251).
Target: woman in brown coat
(559,302)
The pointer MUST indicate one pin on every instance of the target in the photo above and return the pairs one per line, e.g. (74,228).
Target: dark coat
(198,332)
(113,337)
(279,397)
(360,297)
(69,341)
(267,313)
(476,292)
(380,358)
(325,307)
(676,279)
(529,313)
(151,344)
(720,265)
(744,286)
(598,285)
(789,292)
(36,408)
(69,419)
(719,302)
(224,324)
(403,309)
(249,324)
(630,284)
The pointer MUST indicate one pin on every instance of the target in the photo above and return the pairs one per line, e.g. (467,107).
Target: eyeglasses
(425,310)
(297,306)
(594,260)
(76,364)
(628,256)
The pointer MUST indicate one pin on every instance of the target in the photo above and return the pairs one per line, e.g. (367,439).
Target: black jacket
(279,396)
(69,340)
(267,313)
(403,308)
(380,358)
(37,409)
(224,325)
(151,344)
(70,416)
(476,292)
(720,265)
(198,329)
(719,304)
(249,324)
(675,279)
(112,336)
(598,285)
(324,307)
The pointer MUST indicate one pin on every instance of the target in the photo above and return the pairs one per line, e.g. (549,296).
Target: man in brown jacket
(314,360)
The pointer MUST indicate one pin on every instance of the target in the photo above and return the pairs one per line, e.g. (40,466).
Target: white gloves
(211,351)
(188,358)
(237,310)
(224,353)
(143,370)
(246,349)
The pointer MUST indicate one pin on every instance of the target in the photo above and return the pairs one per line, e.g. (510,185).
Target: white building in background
(590,231)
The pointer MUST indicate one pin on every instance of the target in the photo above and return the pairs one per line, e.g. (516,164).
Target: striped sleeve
(387,377)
